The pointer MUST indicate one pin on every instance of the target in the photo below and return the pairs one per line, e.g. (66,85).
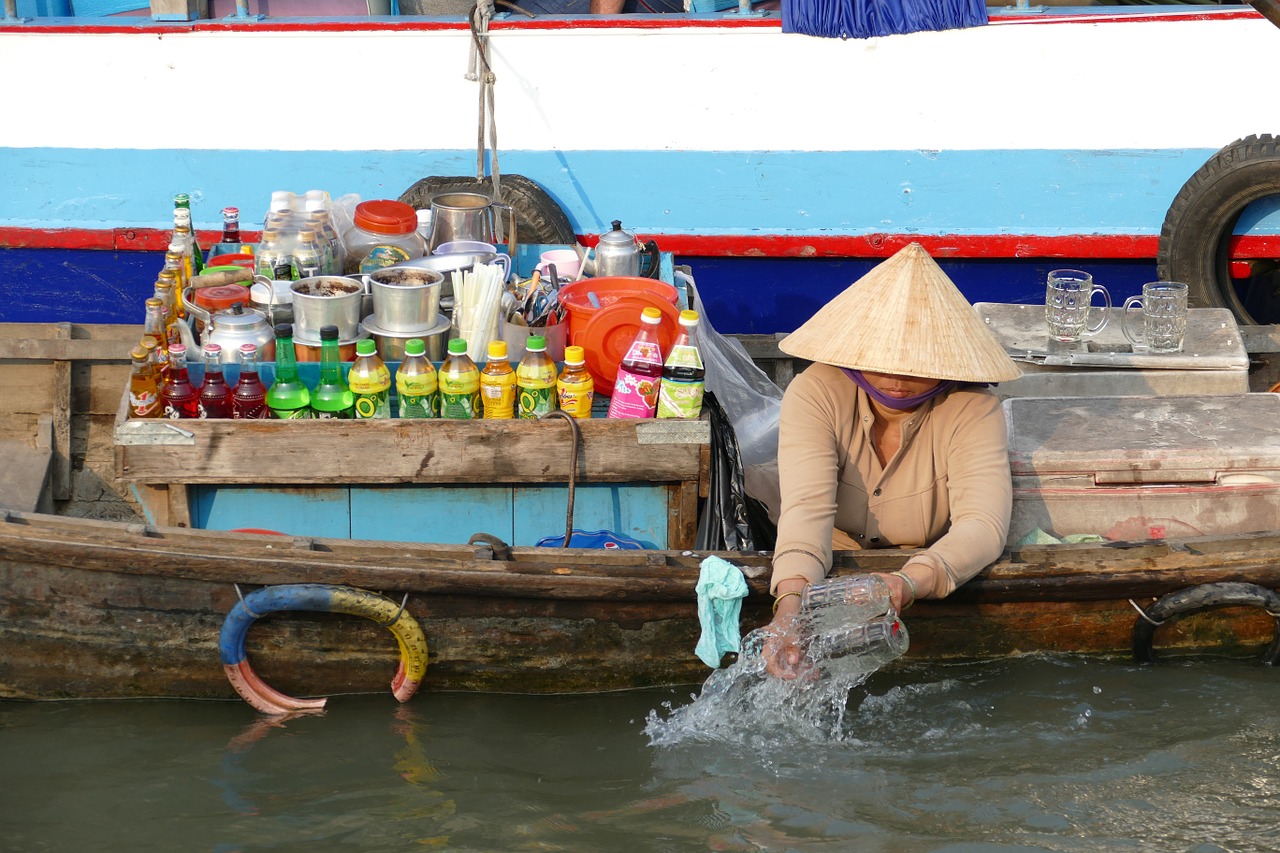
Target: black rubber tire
(539,219)
(1196,599)
(1195,238)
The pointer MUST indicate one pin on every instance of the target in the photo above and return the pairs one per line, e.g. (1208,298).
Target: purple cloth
(900,403)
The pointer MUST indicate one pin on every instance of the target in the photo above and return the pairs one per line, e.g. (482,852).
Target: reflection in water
(1044,754)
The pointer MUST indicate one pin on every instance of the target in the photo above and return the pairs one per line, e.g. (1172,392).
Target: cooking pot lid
(222,296)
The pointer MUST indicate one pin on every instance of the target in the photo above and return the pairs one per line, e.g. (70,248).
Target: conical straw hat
(906,317)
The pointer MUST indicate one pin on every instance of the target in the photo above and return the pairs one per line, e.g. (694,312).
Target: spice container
(383,233)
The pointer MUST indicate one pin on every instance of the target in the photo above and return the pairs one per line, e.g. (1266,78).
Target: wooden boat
(103,609)
(745,150)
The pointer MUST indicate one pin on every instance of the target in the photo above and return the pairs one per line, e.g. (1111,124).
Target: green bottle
(287,398)
(332,397)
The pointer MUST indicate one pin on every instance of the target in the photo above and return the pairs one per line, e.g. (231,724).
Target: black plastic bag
(731,520)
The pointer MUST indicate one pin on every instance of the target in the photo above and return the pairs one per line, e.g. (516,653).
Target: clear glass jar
(383,233)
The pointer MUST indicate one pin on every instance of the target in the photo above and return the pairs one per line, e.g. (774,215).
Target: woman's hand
(906,585)
(782,651)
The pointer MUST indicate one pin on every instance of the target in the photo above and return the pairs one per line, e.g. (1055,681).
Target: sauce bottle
(536,379)
(287,398)
(575,389)
(416,383)
(249,399)
(683,375)
(215,394)
(370,382)
(459,384)
(498,384)
(180,398)
(332,397)
(635,392)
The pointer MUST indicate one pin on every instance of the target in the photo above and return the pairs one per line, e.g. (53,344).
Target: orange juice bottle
(575,388)
(498,384)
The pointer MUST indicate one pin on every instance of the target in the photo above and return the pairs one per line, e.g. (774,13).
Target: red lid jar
(383,232)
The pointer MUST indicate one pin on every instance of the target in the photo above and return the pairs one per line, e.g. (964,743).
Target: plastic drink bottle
(459,384)
(635,393)
(249,399)
(144,390)
(416,383)
(536,379)
(683,375)
(853,649)
(498,384)
(215,394)
(575,388)
(370,382)
(332,397)
(287,398)
(180,398)
(849,600)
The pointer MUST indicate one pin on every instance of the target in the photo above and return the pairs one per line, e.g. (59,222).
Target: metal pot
(327,300)
(619,252)
(234,326)
(469,216)
(405,299)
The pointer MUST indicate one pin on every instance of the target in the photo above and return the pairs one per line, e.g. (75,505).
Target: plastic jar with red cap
(383,232)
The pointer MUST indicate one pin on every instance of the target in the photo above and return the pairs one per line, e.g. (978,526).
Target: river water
(1033,754)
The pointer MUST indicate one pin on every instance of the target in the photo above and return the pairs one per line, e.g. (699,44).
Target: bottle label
(144,404)
(419,405)
(537,384)
(382,256)
(633,396)
(461,406)
(680,399)
(498,391)
(303,413)
(576,397)
(376,405)
(340,415)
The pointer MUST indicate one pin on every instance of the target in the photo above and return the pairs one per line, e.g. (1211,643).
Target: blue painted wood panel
(297,511)
(411,513)
(635,510)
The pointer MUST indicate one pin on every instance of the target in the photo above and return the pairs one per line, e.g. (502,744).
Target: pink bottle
(635,392)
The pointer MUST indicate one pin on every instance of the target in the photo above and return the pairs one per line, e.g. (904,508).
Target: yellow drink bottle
(536,379)
(498,384)
(459,384)
(575,388)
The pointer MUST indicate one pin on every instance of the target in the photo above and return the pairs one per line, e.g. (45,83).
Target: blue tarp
(868,18)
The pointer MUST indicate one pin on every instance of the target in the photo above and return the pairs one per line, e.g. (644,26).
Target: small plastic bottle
(249,399)
(459,384)
(683,375)
(332,397)
(287,398)
(635,392)
(180,397)
(536,379)
(144,389)
(215,394)
(370,382)
(308,256)
(498,384)
(274,259)
(575,389)
(416,383)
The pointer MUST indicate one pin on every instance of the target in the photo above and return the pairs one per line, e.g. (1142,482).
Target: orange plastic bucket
(576,299)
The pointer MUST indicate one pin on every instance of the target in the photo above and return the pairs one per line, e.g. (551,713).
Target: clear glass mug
(1068,297)
(1164,316)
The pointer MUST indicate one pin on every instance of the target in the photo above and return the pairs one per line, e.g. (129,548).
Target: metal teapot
(231,327)
(619,252)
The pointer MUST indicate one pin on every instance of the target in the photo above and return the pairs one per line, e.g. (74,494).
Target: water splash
(743,704)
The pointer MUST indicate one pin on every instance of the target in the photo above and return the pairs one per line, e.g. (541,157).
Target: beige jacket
(947,488)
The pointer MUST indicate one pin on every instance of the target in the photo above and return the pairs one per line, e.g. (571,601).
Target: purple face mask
(899,403)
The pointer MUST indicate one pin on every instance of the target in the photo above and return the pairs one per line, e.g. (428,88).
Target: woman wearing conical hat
(890,439)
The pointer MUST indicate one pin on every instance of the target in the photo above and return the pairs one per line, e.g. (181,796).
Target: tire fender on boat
(539,219)
(1197,599)
(322,598)
(1195,239)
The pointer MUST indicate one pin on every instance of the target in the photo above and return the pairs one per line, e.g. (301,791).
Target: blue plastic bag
(593,539)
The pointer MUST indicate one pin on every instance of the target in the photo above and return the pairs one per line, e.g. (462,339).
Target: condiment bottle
(249,399)
(287,398)
(498,384)
(683,375)
(215,394)
(370,382)
(459,384)
(575,389)
(416,383)
(144,389)
(635,392)
(180,398)
(332,397)
(536,379)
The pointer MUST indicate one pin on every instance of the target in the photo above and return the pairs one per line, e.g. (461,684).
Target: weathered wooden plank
(25,476)
(61,485)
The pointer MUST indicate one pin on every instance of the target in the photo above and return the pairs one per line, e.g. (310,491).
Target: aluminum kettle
(619,252)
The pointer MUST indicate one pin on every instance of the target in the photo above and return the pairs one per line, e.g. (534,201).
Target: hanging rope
(479,69)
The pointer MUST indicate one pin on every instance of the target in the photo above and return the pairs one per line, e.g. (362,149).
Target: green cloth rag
(721,588)
(1039,537)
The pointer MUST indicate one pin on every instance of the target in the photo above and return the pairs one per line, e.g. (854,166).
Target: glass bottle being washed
(850,625)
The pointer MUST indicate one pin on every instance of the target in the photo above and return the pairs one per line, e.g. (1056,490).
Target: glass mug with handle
(1164,316)
(1068,297)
